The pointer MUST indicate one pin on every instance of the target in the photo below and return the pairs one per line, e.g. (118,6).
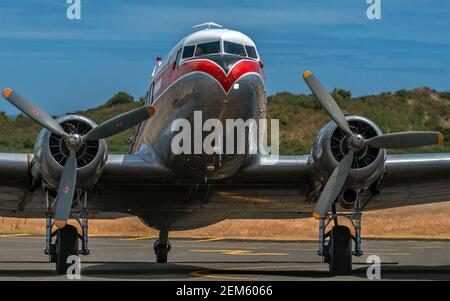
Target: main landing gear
(67,239)
(337,250)
(162,246)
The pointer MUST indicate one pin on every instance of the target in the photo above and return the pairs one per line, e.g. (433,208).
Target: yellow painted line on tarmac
(139,238)
(212,273)
(239,252)
(207,239)
(15,235)
(207,274)
(275,267)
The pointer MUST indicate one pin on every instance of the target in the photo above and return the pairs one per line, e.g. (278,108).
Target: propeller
(74,141)
(356,142)
(34,112)
(66,190)
(119,123)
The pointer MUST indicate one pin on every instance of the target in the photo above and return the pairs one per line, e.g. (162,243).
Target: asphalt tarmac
(22,258)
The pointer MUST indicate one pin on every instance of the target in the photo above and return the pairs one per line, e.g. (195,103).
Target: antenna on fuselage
(209,24)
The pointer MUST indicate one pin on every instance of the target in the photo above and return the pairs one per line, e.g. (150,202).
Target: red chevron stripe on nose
(212,69)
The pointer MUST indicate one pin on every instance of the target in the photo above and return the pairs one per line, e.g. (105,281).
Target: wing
(268,170)
(413,179)
(20,196)
(15,179)
(409,179)
(274,185)
(142,182)
(124,169)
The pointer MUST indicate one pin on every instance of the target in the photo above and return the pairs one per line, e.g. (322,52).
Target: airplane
(218,72)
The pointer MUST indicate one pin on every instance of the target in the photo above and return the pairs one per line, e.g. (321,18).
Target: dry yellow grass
(425,221)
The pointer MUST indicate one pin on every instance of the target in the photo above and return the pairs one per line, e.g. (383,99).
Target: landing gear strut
(162,246)
(337,250)
(67,238)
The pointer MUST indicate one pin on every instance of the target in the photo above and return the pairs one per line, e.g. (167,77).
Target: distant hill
(19,134)
(300,118)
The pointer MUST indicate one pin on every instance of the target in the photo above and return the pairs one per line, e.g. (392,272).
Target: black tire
(326,255)
(340,250)
(53,253)
(161,253)
(66,245)
(53,257)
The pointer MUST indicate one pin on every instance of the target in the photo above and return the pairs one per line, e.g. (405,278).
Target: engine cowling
(330,147)
(51,153)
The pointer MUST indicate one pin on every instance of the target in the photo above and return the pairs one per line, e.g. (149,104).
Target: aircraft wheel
(66,245)
(53,253)
(326,256)
(340,250)
(53,257)
(161,251)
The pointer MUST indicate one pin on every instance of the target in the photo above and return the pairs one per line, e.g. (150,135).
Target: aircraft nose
(225,61)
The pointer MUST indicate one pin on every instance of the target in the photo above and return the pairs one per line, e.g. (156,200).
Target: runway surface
(22,258)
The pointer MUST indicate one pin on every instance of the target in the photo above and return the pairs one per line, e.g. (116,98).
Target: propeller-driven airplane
(219,73)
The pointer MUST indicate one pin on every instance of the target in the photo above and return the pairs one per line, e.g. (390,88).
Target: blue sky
(69,65)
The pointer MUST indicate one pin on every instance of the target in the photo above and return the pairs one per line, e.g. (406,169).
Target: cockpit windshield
(251,52)
(234,48)
(207,48)
(215,48)
(188,51)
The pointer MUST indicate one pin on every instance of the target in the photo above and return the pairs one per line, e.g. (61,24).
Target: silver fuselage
(196,89)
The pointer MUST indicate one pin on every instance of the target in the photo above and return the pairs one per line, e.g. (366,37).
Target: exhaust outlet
(348,198)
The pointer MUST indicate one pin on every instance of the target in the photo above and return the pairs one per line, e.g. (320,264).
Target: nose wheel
(162,247)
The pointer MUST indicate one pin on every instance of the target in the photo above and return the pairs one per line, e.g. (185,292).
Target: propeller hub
(74,141)
(357,141)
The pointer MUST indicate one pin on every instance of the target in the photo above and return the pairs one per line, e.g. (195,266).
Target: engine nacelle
(51,152)
(330,147)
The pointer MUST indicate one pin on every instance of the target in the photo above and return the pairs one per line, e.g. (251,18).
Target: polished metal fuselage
(198,95)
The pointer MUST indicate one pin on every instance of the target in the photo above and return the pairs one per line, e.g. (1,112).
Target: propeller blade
(120,123)
(34,112)
(66,191)
(327,102)
(405,139)
(333,186)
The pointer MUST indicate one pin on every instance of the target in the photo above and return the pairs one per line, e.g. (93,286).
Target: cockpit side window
(251,52)
(234,48)
(188,51)
(207,48)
